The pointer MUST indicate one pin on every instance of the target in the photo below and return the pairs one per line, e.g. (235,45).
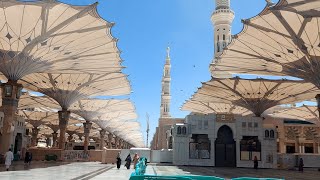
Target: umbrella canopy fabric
(306,8)
(256,95)
(50,36)
(66,89)
(37,118)
(305,112)
(125,129)
(289,46)
(91,109)
(209,107)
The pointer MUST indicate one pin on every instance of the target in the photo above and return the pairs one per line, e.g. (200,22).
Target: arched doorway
(225,148)
(17,143)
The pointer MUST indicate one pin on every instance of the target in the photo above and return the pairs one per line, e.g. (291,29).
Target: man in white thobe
(8,159)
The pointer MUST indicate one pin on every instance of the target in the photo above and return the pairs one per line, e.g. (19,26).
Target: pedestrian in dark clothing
(301,165)
(255,162)
(118,161)
(28,158)
(128,161)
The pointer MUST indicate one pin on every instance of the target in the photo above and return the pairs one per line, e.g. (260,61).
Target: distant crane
(147,130)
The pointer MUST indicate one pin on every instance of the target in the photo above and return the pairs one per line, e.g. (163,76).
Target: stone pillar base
(11,92)
(64,116)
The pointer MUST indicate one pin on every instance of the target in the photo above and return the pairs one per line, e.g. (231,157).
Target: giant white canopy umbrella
(47,36)
(256,95)
(92,109)
(67,89)
(281,40)
(113,121)
(217,108)
(304,112)
(50,36)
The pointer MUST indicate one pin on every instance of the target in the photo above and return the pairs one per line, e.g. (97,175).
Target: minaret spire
(222,19)
(165,94)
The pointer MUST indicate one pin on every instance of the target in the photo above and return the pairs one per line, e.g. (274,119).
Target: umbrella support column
(35,132)
(64,116)
(110,137)
(102,136)
(87,127)
(11,92)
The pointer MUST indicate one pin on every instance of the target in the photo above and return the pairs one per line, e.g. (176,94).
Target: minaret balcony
(222,15)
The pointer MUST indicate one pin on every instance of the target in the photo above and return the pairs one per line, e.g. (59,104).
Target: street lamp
(318,102)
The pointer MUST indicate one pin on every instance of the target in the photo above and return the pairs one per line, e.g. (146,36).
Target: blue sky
(146,27)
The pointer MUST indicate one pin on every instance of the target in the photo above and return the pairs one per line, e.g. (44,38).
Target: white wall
(268,146)
(161,156)
(196,125)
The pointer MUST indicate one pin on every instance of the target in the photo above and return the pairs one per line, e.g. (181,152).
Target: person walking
(255,162)
(301,165)
(8,159)
(128,161)
(135,160)
(118,160)
(27,158)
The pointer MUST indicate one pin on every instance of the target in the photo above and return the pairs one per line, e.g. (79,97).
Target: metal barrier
(141,167)
(146,177)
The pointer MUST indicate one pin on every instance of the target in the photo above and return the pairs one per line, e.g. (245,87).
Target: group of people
(128,160)
(9,158)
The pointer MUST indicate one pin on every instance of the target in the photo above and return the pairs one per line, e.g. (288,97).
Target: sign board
(225,118)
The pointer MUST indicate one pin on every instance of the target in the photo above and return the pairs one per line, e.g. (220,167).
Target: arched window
(266,133)
(272,134)
(218,47)
(224,37)
(179,130)
(184,130)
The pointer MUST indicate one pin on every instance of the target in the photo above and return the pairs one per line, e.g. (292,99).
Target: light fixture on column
(19,92)
(318,102)
(8,90)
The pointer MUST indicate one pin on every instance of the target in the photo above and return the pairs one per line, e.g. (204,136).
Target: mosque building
(231,137)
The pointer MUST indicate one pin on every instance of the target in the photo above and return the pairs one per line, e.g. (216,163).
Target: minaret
(165,93)
(222,19)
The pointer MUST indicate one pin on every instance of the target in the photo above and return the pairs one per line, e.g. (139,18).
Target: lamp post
(318,102)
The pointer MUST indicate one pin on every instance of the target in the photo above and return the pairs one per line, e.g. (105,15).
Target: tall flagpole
(147,130)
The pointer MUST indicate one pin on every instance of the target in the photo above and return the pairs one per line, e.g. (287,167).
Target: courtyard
(97,171)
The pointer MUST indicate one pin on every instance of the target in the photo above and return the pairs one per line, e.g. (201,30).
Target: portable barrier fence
(139,174)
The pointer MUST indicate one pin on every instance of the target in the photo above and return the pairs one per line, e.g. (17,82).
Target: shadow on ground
(308,174)
(20,166)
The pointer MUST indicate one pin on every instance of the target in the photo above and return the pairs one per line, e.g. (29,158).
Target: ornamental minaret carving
(222,19)
(165,93)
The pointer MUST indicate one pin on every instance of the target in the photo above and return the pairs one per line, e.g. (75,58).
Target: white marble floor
(72,171)
(98,171)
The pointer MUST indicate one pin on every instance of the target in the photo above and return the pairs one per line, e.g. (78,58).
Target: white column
(300,149)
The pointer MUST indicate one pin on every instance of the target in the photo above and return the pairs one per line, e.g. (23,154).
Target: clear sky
(146,27)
